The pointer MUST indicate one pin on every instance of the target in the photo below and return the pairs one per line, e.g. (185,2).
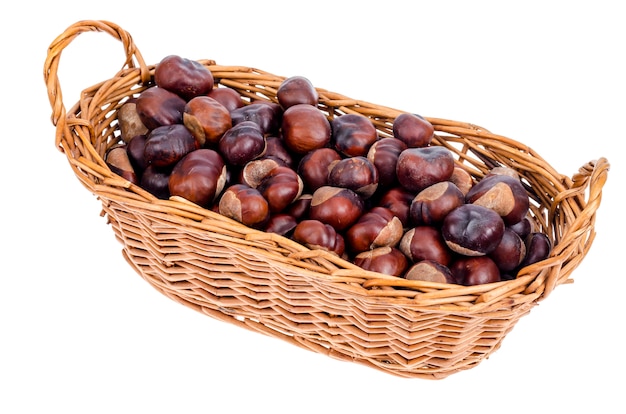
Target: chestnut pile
(391,204)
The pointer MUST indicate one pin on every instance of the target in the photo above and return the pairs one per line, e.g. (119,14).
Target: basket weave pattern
(310,298)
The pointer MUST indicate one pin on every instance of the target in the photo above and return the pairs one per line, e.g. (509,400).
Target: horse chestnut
(185,77)
(472,230)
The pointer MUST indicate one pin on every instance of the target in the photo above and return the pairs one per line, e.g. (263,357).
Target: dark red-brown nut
(386,260)
(384,155)
(462,179)
(503,194)
(315,166)
(207,119)
(245,205)
(275,149)
(398,200)
(353,134)
(300,208)
(425,243)
(431,205)
(356,173)
(474,270)
(129,121)
(156,181)
(199,177)
(185,77)
(430,271)
(317,235)
(538,248)
(118,161)
(305,128)
(510,252)
(472,230)
(339,207)
(281,223)
(280,187)
(377,227)
(242,143)
(418,168)
(255,171)
(414,130)
(157,106)
(296,90)
(228,97)
(166,145)
(135,149)
(267,115)
(523,227)
(502,170)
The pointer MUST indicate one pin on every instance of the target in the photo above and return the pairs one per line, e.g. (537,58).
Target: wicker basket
(312,299)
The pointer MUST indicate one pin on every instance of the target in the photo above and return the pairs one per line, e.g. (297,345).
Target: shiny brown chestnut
(353,134)
(418,168)
(281,186)
(156,181)
(129,121)
(245,205)
(255,171)
(430,271)
(281,223)
(267,115)
(538,248)
(199,177)
(462,179)
(510,252)
(242,143)
(227,96)
(472,230)
(315,166)
(317,235)
(384,155)
(431,205)
(157,106)
(503,194)
(413,130)
(135,149)
(207,119)
(339,207)
(474,270)
(398,200)
(300,208)
(425,243)
(356,173)
(377,227)
(305,128)
(296,90)
(386,260)
(523,227)
(119,162)
(275,149)
(167,144)
(185,77)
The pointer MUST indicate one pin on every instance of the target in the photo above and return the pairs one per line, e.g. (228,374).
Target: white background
(80,332)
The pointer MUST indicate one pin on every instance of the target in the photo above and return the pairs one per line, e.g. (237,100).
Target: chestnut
(280,187)
(199,177)
(157,106)
(353,134)
(430,271)
(317,235)
(167,144)
(245,205)
(356,173)
(462,179)
(398,200)
(156,181)
(119,162)
(275,149)
(255,171)
(305,128)
(339,207)
(425,243)
(413,130)
(282,224)
(431,205)
(538,247)
(267,115)
(510,252)
(185,77)
(230,98)
(384,155)
(242,143)
(503,194)
(474,270)
(418,168)
(135,149)
(376,228)
(296,90)
(386,260)
(207,119)
(300,208)
(129,121)
(315,166)
(523,227)
(472,230)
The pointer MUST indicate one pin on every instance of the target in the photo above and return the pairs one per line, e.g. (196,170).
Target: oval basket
(310,298)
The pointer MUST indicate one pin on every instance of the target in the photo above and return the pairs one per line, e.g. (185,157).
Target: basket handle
(134,59)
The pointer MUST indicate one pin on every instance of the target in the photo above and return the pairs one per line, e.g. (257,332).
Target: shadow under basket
(310,298)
